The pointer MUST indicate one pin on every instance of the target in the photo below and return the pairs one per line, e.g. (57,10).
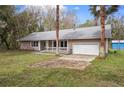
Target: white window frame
(34,43)
(64,43)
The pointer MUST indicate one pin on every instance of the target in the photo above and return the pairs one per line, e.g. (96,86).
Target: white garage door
(88,49)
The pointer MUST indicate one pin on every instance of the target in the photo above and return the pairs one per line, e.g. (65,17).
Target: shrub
(112,51)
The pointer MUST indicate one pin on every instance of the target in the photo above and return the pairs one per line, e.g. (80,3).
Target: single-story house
(85,40)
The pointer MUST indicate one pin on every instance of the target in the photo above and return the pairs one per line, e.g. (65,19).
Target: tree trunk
(3,40)
(57,29)
(102,43)
(96,21)
(7,45)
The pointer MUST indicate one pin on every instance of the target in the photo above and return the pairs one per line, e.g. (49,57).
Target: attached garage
(87,49)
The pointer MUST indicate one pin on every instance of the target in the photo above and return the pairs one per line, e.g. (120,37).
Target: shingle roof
(78,33)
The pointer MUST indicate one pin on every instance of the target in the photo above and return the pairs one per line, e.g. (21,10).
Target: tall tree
(102,20)
(7,14)
(57,29)
(16,24)
(95,13)
(103,12)
(68,19)
(47,15)
(88,23)
(117,27)
(109,9)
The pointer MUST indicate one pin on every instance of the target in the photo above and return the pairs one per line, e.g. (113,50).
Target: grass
(14,71)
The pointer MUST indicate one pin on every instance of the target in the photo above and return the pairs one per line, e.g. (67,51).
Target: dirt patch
(61,64)
(86,58)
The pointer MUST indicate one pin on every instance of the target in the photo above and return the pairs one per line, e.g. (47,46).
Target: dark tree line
(15,24)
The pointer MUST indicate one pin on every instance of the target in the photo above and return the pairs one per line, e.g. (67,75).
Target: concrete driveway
(83,58)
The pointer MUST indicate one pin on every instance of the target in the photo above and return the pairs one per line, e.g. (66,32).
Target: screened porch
(50,45)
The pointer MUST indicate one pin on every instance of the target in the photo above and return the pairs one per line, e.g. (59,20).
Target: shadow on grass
(14,52)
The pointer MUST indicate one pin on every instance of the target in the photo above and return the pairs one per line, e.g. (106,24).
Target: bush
(112,51)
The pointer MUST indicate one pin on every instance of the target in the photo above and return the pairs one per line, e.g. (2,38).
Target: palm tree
(108,11)
(103,13)
(57,29)
(102,20)
(94,12)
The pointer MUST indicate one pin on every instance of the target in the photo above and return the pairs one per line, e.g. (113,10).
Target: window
(63,44)
(34,44)
(54,44)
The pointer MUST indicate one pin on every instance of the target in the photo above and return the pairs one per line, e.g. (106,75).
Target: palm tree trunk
(102,43)
(96,21)
(57,29)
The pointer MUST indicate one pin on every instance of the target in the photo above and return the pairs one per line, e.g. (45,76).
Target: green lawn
(14,71)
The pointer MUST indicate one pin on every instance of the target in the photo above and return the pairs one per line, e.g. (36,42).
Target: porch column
(39,45)
(106,45)
(52,45)
(47,45)
(67,47)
